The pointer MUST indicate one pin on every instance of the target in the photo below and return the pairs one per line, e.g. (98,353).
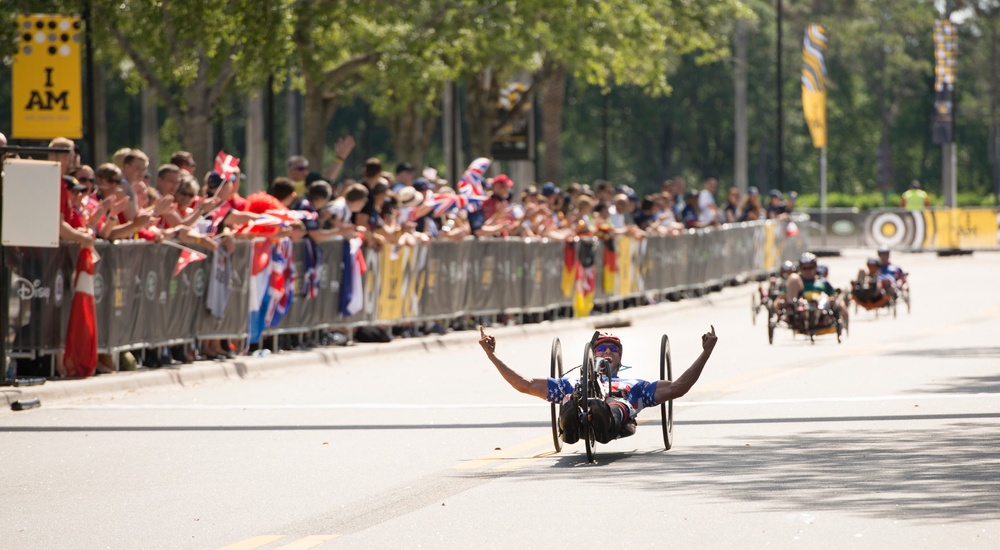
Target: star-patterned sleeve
(560,390)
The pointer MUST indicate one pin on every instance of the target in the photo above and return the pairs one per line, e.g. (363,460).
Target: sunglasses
(803,267)
(301,167)
(607,347)
(87,180)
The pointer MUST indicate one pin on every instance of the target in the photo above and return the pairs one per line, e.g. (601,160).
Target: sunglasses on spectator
(607,347)
(807,267)
(85,180)
(301,167)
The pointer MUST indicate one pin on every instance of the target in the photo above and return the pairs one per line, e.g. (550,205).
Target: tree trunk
(553,93)
(482,93)
(412,133)
(317,110)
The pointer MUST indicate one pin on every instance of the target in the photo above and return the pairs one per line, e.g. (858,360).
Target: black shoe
(602,420)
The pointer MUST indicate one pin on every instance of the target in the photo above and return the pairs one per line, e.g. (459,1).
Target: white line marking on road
(429,406)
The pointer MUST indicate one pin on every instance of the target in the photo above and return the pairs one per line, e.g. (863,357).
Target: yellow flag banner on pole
(814,83)
(47,90)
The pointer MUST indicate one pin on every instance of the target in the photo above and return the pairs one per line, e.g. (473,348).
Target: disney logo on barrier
(28,290)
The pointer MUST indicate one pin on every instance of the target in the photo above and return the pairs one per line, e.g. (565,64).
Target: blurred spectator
(776,208)
(708,210)
(404,176)
(750,208)
(184,161)
(690,214)
(790,202)
(731,211)
(499,196)
(298,169)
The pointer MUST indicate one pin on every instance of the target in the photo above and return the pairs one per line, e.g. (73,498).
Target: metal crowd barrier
(140,303)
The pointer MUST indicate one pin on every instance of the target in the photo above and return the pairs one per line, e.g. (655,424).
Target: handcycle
(868,295)
(811,315)
(592,385)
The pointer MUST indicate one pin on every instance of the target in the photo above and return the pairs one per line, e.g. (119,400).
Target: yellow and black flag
(814,83)
(945,48)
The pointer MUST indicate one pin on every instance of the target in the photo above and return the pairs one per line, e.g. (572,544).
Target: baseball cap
(214,179)
(73,184)
(549,189)
(421,184)
(404,167)
(502,180)
(775,193)
(753,191)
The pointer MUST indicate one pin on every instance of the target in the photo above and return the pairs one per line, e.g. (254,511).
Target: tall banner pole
(945,50)
(814,101)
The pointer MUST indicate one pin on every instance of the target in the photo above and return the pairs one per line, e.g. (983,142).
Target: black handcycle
(595,383)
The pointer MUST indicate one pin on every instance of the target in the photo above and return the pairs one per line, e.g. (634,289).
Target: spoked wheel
(666,409)
(588,386)
(556,371)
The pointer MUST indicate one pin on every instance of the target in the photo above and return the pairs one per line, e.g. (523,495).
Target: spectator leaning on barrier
(690,215)
(750,207)
(708,210)
(776,209)
(731,211)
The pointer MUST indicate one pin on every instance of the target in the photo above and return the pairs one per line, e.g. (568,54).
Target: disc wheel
(556,372)
(666,409)
(588,386)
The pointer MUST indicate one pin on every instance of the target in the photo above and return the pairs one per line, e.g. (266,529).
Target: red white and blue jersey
(891,271)
(638,393)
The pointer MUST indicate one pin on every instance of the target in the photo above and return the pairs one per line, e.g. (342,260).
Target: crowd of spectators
(126,198)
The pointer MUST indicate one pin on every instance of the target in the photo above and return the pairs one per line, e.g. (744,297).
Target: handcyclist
(615,416)
(893,276)
(808,281)
(777,285)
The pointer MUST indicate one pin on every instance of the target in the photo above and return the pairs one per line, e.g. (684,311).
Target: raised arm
(666,391)
(539,387)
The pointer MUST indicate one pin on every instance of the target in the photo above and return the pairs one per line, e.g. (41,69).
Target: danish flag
(225,165)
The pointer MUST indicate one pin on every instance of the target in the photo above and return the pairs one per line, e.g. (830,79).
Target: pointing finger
(713,329)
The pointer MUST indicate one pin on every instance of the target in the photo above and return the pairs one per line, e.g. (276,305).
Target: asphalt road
(887,440)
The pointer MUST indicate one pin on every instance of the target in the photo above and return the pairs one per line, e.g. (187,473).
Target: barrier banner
(104,292)
(414,278)
(586,283)
(393,261)
(511,270)
(127,281)
(444,284)
(552,254)
(233,290)
(483,289)
(39,287)
(325,305)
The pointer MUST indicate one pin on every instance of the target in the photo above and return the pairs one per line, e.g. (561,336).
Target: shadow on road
(971,353)
(942,474)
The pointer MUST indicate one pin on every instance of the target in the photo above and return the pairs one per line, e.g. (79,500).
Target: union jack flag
(225,165)
(446,202)
(471,184)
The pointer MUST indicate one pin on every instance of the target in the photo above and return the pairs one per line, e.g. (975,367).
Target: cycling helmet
(807,258)
(872,261)
(883,250)
(608,338)
(822,270)
(787,267)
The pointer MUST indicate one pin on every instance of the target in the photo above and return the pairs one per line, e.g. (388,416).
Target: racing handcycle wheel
(588,388)
(556,372)
(666,409)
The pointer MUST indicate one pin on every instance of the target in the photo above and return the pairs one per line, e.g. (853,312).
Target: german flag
(569,268)
(586,279)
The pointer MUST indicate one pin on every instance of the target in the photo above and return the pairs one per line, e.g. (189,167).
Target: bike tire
(666,409)
(556,371)
(588,386)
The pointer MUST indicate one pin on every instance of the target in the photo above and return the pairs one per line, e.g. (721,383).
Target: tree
(191,53)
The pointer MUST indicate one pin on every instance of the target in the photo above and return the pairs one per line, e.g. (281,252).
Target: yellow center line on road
(253,542)
(305,543)
(502,455)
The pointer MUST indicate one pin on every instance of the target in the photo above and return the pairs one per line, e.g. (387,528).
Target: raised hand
(709,339)
(489,343)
